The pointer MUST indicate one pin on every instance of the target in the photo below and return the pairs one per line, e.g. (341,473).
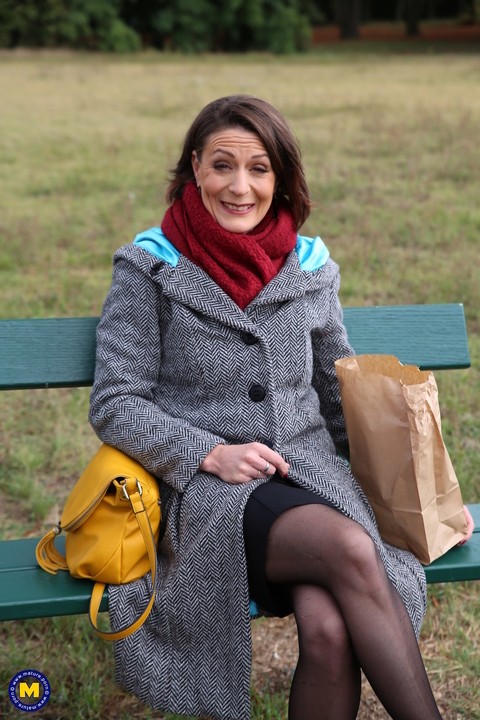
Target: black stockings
(349,616)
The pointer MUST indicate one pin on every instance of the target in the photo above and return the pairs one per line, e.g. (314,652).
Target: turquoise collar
(312,253)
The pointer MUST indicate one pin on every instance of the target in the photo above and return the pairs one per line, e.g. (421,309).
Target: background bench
(60,353)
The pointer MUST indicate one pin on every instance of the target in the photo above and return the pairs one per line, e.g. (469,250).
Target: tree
(348,13)
(277,26)
(412,17)
(410,11)
(91,24)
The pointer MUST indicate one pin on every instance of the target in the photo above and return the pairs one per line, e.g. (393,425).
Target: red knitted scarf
(241,264)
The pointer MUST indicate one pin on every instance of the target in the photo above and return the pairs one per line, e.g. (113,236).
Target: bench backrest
(60,352)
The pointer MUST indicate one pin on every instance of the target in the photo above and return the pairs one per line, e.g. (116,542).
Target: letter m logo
(32,690)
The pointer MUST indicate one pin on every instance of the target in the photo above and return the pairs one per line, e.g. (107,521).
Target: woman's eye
(260,169)
(221,166)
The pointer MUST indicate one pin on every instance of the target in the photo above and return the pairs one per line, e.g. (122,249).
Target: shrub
(119,38)
(92,24)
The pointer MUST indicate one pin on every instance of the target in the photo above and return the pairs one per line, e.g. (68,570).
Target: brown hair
(263,119)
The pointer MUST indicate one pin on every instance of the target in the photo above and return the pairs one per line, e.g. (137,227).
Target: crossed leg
(327,682)
(315,545)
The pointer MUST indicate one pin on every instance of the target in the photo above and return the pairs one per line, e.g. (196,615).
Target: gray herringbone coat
(174,370)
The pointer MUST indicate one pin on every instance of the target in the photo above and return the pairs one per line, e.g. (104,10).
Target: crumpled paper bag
(397,453)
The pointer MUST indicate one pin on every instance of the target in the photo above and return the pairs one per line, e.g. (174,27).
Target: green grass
(390,147)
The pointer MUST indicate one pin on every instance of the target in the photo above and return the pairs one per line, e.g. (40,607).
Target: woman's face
(236,179)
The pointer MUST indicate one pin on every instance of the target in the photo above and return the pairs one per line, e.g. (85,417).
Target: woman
(215,370)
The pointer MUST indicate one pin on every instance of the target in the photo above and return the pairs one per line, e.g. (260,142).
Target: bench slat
(60,352)
(434,337)
(47,353)
(462,563)
(33,593)
(26,591)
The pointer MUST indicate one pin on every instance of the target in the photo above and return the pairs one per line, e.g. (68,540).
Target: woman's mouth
(238,209)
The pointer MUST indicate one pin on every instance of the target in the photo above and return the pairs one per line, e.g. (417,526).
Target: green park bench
(60,353)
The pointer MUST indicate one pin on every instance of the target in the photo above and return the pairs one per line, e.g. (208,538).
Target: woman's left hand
(470,526)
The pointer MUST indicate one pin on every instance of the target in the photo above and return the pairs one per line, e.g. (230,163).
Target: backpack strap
(98,589)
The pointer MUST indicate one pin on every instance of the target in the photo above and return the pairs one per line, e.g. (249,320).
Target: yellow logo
(32,690)
(29,690)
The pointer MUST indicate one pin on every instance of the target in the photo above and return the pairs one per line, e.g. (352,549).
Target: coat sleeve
(330,344)
(122,410)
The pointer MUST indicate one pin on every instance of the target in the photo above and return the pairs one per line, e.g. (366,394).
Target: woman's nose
(239,184)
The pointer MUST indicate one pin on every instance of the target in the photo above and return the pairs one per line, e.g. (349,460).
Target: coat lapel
(189,284)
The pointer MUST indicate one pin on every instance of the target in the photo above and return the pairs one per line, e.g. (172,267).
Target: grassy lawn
(390,143)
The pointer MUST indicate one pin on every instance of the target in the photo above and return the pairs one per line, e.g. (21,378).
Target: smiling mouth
(238,209)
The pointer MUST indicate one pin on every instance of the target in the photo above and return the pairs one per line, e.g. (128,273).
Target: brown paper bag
(398,455)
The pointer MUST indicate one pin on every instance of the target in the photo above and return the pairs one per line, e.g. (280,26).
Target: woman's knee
(360,563)
(323,636)
(319,545)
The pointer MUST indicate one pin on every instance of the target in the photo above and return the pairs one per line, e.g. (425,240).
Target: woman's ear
(195,165)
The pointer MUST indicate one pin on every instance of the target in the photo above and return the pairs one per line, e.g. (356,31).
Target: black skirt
(266,503)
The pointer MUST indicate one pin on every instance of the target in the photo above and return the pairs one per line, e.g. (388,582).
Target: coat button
(257,393)
(248,338)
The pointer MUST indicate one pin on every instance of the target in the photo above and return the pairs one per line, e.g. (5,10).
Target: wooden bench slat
(462,563)
(35,594)
(60,352)
(433,337)
(47,353)
(26,591)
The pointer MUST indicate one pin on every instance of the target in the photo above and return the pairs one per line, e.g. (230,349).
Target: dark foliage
(278,26)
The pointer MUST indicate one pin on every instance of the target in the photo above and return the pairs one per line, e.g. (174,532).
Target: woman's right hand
(237,464)
(470,526)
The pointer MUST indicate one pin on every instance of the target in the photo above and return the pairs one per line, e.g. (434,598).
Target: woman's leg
(327,679)
(315,544)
